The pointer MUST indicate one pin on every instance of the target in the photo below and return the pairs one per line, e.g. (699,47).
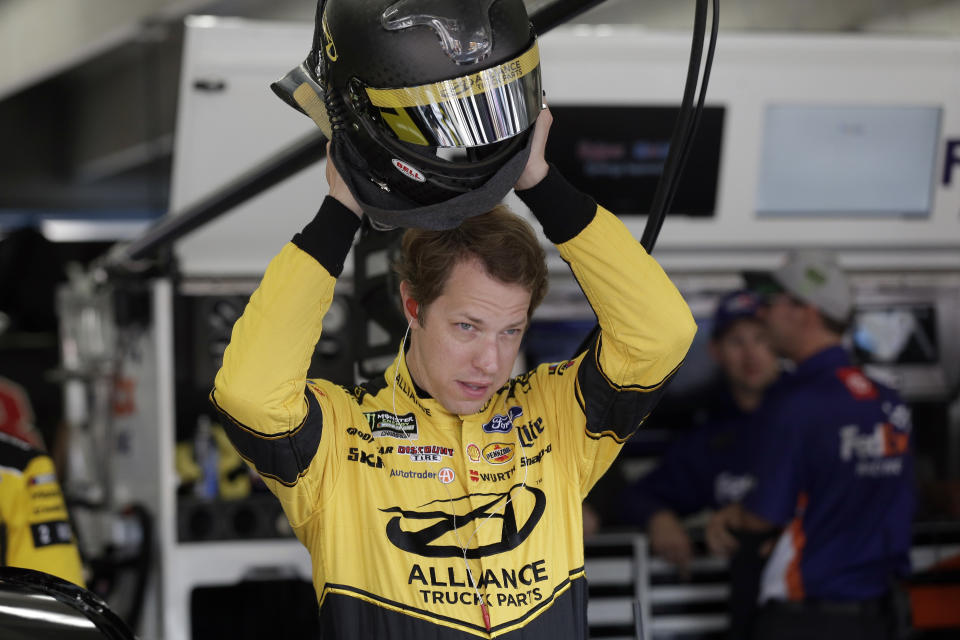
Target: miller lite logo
(408,170)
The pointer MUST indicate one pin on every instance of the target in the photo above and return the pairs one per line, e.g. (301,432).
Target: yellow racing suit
(421,523)
(35,530)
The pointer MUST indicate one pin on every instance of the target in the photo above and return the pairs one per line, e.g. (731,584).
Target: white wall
(630,67)
(223,134)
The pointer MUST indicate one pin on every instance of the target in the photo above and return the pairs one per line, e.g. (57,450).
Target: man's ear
(410,306)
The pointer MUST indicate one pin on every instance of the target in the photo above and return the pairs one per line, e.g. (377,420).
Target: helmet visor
(468,111)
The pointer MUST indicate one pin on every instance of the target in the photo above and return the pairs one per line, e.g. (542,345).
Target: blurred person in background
(35,530)
(710,465)
(835,478)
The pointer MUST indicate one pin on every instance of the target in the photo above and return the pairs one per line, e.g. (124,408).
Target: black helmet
(429,102)
(36,605)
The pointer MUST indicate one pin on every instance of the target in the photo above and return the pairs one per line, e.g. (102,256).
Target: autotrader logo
(420,531)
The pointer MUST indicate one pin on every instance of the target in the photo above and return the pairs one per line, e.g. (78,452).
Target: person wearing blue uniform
(836,475)
(710,465)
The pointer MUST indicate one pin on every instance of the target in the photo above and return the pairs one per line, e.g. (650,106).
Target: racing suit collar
(410,396)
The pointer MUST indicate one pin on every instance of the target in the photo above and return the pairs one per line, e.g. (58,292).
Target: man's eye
(466,326)
(512,332)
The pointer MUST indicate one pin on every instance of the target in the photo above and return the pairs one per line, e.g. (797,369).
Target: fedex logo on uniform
(878,453)
(883,442)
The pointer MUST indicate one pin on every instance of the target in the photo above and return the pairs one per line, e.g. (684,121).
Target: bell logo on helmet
(408,170)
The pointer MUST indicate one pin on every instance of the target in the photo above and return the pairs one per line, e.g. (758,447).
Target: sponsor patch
(859,385)
(528,433)
(425,453)
(446,475)
(49,533)
(412,475)
(408,170)
(501,476)
(503,423)
(384,424)
(473,452)
(498,453)
(535,459)
(372,460)
(428,532)
(730,487)
(557,368)
(41,478)
(363,435)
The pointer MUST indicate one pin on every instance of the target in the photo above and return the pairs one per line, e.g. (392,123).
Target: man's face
(746,356)
(465,349)
(784,318)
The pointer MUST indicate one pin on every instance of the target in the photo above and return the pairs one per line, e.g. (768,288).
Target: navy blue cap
(734,306)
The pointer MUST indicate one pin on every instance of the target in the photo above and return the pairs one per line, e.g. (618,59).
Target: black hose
(685,126)
(681,139)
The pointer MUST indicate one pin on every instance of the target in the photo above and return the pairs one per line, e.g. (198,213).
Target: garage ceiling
(88,89)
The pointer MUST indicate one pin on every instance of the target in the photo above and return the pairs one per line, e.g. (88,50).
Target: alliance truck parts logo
(421,531)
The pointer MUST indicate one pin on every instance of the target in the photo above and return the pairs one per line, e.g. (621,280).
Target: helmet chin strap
(387,209)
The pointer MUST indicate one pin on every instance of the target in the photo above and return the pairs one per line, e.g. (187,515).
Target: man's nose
(487,356)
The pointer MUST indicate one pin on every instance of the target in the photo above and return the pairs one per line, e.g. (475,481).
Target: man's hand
(338,188)
(537,167)
(669,539)
(720,540)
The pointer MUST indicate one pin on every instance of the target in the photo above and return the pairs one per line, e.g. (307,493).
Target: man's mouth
(473,390)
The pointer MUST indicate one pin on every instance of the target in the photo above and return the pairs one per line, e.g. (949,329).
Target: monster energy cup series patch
(384,424)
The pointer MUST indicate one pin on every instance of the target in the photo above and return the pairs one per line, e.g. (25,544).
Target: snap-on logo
(408,170)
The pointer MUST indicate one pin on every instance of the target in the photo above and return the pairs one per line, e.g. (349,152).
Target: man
(443,499)
(836,473)
(35,530)
(711,465)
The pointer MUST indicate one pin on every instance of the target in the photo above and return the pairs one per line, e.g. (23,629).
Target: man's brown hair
(504,243)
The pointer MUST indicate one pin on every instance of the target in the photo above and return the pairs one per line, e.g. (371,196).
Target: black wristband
(562,209)
(329,236)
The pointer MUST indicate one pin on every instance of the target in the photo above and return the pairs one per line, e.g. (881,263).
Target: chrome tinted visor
(469,111)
